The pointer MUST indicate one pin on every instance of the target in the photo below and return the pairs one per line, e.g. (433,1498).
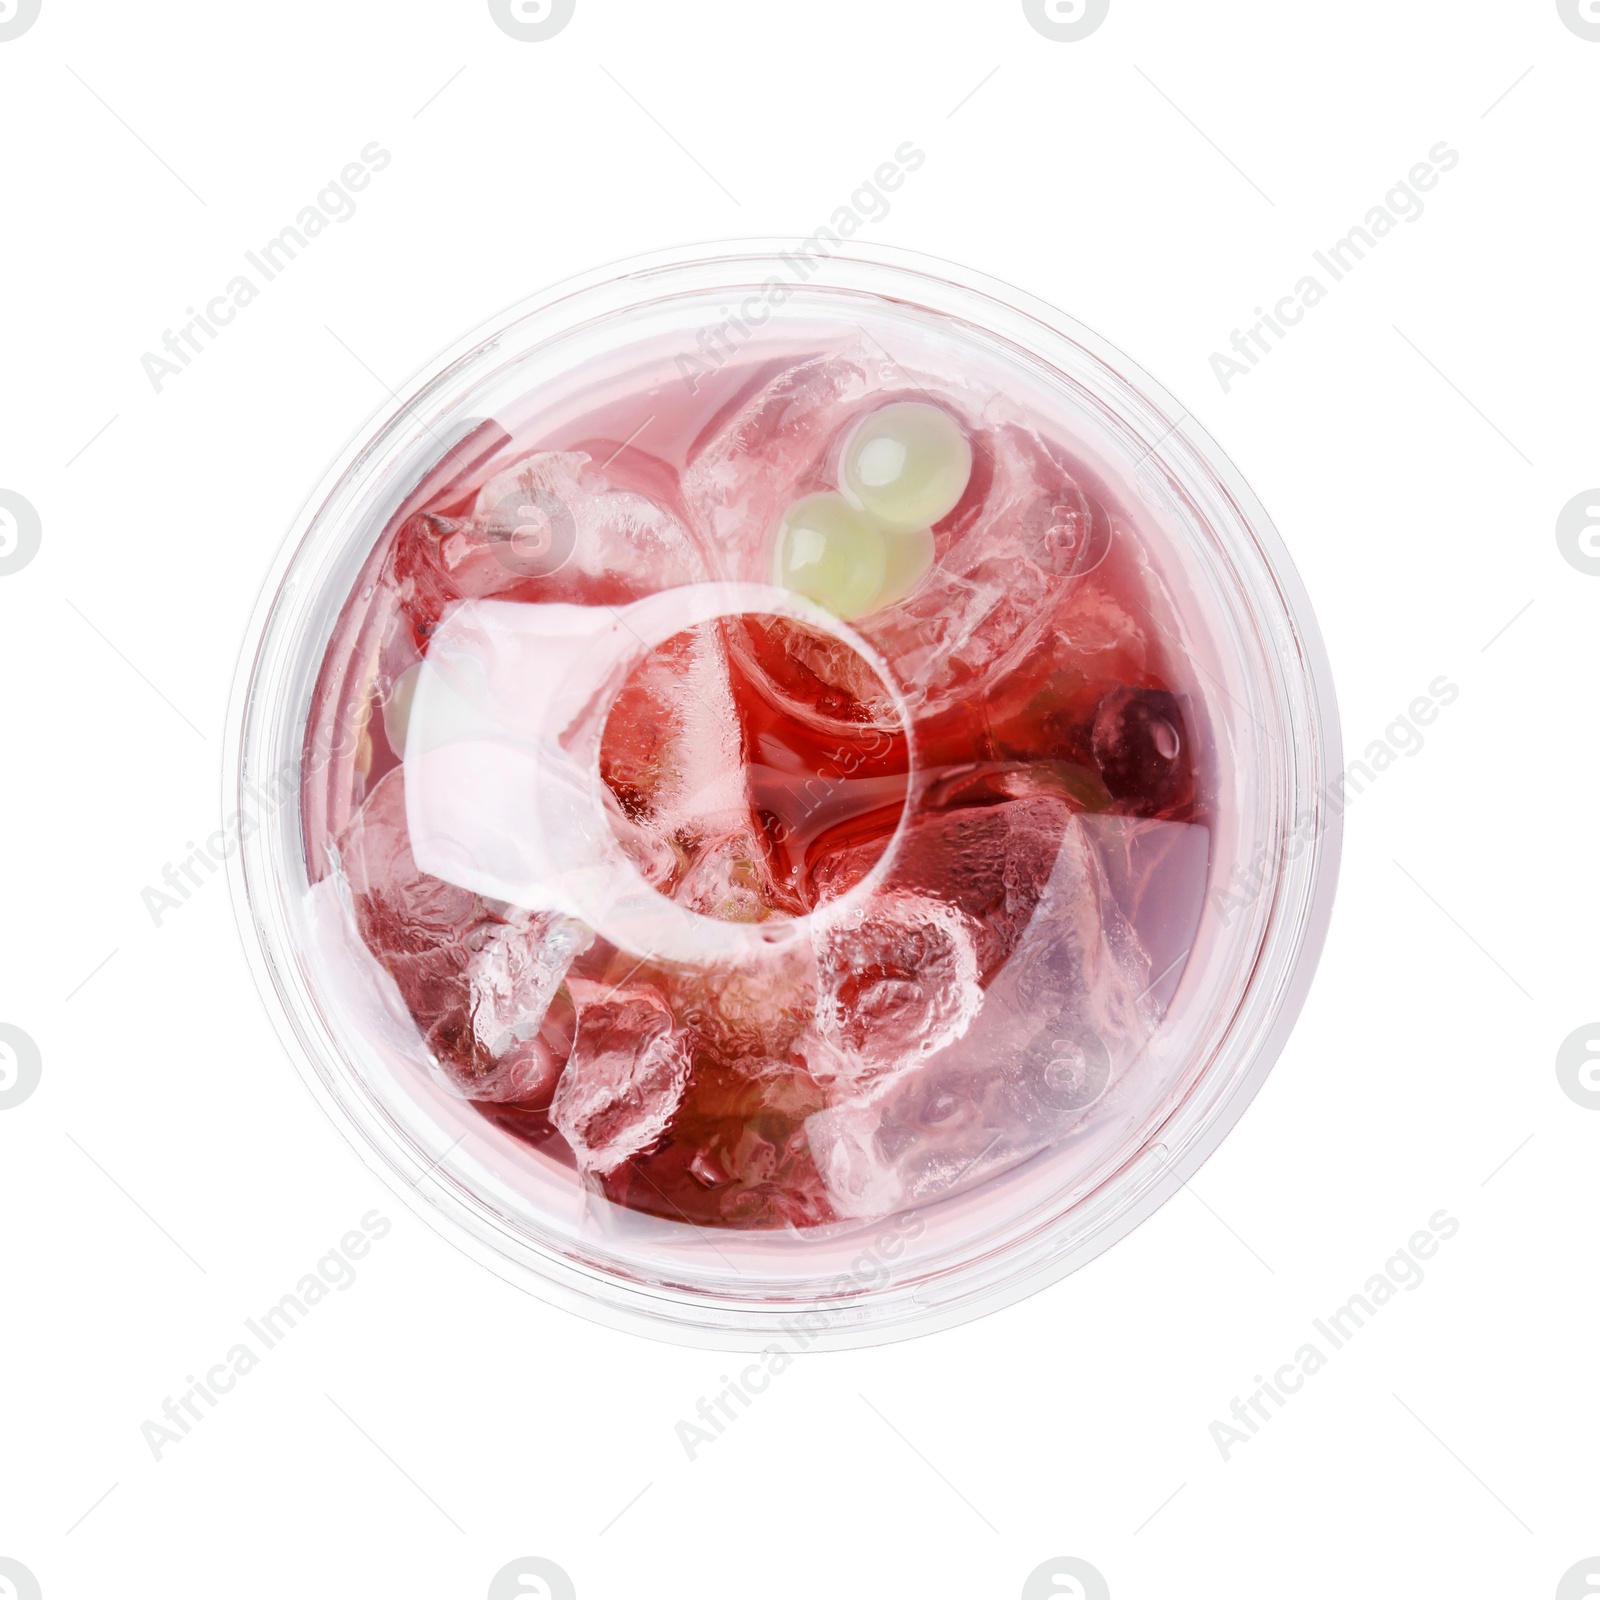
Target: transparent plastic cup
(911,1246)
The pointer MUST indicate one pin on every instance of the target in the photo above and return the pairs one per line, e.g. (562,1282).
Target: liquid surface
(1026,788)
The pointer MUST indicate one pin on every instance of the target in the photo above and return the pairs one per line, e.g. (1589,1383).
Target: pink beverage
(922,852)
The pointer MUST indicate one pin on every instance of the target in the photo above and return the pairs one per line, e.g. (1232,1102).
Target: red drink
(962,848)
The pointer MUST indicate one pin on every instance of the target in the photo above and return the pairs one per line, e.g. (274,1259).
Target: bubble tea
(772,798)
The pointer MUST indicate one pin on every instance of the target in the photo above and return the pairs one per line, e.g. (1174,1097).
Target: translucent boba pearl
(910,560)
(906,465)
(397,708)
(827,551)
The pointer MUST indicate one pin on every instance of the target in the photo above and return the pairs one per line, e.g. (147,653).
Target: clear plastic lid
(783,793)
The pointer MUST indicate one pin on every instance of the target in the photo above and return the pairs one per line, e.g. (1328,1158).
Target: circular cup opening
(1181,793)
(743,755)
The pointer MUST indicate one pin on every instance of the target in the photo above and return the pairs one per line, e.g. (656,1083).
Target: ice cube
(436,560)
(625,1077)
(514,974)
(525,1070)
(672,755)
(1060,1030)
(991,862)
(749,1009)
(400,909)
(1043,711)
(478,985)
(825,741)
(813,679)
(551,526)
(897,981)
(556,517)
(770,450)
(737,1154)
(671,751)
(1100,635)
(1158,873)
(1024,532)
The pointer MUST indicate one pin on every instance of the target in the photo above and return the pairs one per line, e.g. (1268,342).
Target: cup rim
(1295,928)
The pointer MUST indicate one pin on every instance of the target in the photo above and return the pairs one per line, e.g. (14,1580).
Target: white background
(1415,439)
